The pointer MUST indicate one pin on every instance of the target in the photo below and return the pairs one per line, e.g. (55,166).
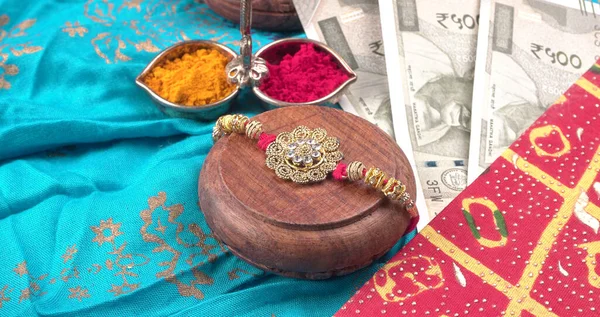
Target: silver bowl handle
(246,69)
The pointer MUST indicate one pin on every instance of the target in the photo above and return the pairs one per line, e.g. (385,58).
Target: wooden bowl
(312,231)
(266,14)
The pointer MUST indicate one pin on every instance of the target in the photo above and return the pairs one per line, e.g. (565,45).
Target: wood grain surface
(275,15)
(311,230)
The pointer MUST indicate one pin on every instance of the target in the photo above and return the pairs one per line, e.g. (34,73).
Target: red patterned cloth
(522,240)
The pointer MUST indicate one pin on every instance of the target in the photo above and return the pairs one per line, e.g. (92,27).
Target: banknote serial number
(457,21)
(560,57)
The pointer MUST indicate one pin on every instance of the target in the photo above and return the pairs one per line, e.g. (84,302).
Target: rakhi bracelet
(308,155)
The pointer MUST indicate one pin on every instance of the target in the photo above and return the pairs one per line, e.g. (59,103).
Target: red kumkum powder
(306,76)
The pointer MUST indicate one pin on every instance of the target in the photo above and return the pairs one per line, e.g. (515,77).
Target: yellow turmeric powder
(195,79)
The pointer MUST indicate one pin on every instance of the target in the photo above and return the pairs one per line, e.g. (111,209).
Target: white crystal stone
(290,154)
(292,146)
(297,159)
(316,154)
(301,141)
(312,141)
(316,147)
(308,160)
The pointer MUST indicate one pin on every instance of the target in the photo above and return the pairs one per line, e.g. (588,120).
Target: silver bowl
(273,53)
(206,112)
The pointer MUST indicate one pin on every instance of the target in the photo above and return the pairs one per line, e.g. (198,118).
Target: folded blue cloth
(98,188)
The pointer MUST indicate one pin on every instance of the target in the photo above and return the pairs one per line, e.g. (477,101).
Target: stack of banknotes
(455,82)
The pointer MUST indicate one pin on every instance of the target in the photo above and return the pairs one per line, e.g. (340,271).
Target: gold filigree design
(200,248)
(101,237)
(18,49)
(303,155)
(78,293)
(74,28)
(68,255)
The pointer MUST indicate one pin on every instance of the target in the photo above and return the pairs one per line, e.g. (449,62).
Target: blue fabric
(98,188)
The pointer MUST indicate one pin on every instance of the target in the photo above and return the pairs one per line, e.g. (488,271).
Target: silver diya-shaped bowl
(205,112)
(274,52)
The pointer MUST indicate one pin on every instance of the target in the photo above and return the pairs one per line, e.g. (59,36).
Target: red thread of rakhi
(264,140)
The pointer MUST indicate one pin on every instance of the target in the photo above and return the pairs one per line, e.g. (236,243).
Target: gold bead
(394,188)
(355,171)
(375,177)
(253,129)
(225,122)
(238,123)
(217,133)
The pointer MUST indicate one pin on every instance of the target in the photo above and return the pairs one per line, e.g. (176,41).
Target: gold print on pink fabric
(18,30)
(498,221)
(153,231)
(592,249)
(545,132)
(391,274)
(124,262)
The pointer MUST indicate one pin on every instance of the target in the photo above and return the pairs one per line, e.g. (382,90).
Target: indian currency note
(353,29)
(435,44)
(529,52)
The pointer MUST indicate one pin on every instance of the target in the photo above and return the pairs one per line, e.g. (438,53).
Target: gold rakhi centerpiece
(303,155)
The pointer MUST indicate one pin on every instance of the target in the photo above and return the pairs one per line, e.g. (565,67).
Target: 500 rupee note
(529,52)
(434,60)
